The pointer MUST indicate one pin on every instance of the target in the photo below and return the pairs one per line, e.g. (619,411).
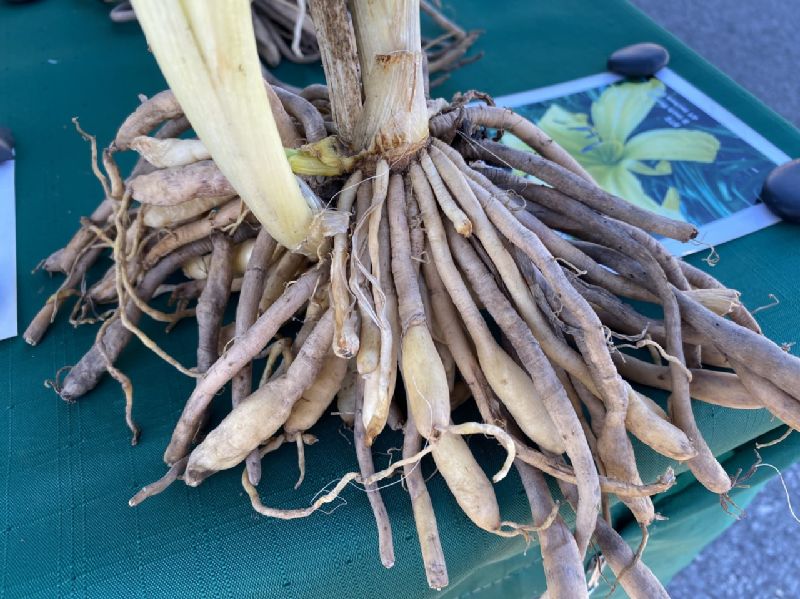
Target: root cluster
(456,280)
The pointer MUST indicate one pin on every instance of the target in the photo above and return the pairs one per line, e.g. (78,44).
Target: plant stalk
(337,45)
(207,53)
(394,121)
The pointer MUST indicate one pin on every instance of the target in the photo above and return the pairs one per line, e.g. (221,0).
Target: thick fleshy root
(401,298)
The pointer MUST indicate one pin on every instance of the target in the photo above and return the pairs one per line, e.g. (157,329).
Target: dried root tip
(163,153)
(162,483)
(161,107)
(719,301)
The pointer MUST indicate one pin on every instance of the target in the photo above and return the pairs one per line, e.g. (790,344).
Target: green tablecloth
(68,470)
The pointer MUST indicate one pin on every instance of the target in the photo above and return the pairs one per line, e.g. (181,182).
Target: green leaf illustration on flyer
(662,145)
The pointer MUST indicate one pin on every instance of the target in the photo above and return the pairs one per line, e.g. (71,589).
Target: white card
(8,253)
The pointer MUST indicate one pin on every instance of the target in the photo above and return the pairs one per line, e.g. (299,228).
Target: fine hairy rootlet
(427,272)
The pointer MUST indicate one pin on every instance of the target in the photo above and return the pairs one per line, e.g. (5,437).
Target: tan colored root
(300,441)
(711,386)
(278,349)
(87,373)
(246,312)
(772,397)
(702,280)
(163,153)
(212,302)
(193,231)
(47,314)
(414,218)
(280,275)
(553,395)
(260,415)
(761,355)
(170,216)
(242,352)
(502,437)
(175,185)
(346,397)
(123,380)
(287,131)
(367,469)
(377,397)
(423,372)
(504,119)
(614,445)
(632,574)
(318,396)
(310,119)
(563,565)
(424,516)
(582,190)
(63,260)
(466,480)
(161,484)
(450,208)
(126,291)
(608,484)
(315,309)
(345,337)
(153,111)
(458,343)
(513,387)
(369,335)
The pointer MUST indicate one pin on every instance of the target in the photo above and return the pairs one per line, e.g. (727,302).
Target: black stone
(781,191)
(638,60)
(6,144)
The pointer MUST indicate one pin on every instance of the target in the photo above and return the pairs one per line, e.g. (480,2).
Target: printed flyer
(663,145)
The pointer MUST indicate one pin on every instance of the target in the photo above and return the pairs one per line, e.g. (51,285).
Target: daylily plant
(603,144)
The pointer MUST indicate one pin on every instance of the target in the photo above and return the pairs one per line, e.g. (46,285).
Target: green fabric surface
(68,470)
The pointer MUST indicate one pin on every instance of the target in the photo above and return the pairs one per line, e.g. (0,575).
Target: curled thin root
(526,529)
(331,495)
(502,437)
